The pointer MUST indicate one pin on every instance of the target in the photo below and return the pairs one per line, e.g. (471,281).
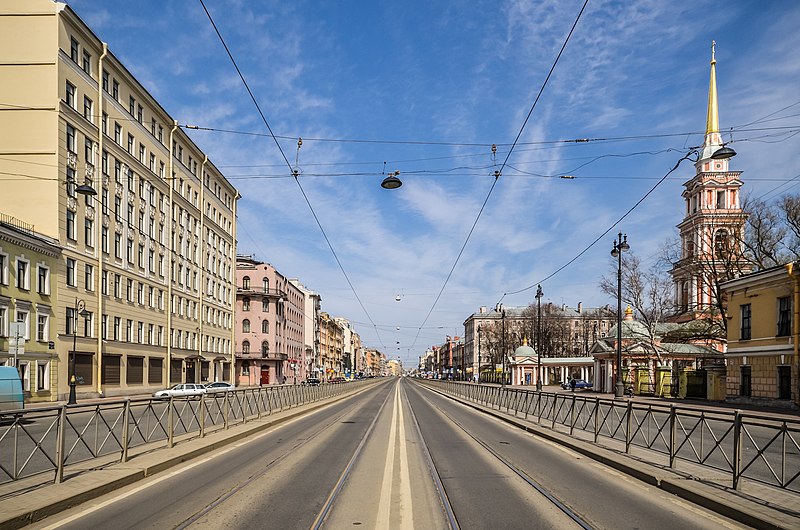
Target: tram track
(534,484)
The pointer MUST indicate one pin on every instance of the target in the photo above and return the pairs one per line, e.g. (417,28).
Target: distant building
(28,262)
(312,303)
(152,253)
(270,325)
(763,356)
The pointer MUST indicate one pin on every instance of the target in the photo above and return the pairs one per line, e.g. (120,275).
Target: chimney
(482,309)
(580,307)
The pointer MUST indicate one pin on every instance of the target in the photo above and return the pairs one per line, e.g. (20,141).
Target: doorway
(264,374)
(190,372)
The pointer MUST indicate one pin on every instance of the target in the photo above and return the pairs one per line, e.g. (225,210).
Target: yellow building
(764,335)
(27,298)
(152,254)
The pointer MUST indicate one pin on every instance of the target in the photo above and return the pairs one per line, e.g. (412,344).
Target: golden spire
(712,118)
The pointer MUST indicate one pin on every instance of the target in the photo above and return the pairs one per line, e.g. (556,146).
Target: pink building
(269,326)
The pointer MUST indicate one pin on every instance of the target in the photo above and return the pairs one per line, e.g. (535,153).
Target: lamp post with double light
(503,353)
(620,246)
(539,295)
(79,310)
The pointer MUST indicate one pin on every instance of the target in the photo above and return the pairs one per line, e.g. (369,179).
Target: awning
(194,357)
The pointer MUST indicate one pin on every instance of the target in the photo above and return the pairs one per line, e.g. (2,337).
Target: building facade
(27,303)
(312,303)
(144,219)
(331,341)
(270,325)
(764,336)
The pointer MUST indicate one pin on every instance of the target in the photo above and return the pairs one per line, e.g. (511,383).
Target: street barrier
(744,444)
(48,439)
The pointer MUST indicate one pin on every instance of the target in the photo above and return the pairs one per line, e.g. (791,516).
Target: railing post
(126,412)
(171,422)
(244,408)
(628,417)
(572,416)
(555,400)
(737,447)
(225,411)
(596,419)
(202,415)
(60,446)
(539,406)
(672,427)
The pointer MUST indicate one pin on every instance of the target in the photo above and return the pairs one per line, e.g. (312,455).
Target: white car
(182,390)
(219,386)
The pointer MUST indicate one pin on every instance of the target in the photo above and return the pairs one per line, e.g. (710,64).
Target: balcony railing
(277,293)
(254,355)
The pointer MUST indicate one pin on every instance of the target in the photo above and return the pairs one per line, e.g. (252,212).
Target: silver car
(182,390)
(219,386)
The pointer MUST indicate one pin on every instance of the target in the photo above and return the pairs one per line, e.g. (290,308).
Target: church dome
(524,350)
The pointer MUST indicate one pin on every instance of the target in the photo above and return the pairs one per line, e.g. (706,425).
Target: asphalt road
(394,456)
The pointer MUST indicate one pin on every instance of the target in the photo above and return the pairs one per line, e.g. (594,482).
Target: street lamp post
(539,295)
(80,309)
(620,246)
(503,353)
(480,359)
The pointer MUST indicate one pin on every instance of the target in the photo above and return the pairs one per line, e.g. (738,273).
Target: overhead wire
(499,172)
(289,165)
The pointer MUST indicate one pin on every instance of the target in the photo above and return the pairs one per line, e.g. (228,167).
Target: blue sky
(430,86)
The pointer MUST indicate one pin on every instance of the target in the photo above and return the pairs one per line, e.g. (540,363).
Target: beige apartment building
(312,304)
(144,219)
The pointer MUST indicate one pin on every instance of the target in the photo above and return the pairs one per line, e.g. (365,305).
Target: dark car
(338,380)
(311,381)
(579,384)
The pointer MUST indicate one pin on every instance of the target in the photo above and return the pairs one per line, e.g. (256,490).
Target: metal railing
(744,444)
(48,439)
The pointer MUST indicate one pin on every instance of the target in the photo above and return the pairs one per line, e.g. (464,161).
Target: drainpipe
(792,270)
(202,263)
(171,180)
(98,240)
(232,282)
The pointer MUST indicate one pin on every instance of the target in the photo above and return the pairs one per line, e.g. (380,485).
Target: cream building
(152,254)
(312,364)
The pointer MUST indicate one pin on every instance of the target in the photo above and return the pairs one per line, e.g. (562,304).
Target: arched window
(245,326)
(265,305)
(266,284)
(684,302)
(246,346)
(265,326)
(245,368)
(265,348)
(246,282)
(245,304)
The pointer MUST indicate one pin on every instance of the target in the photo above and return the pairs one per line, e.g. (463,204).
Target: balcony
(271,356)
(254,291)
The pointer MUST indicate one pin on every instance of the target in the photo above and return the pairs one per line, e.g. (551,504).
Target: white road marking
(385,503)
(148,483)
(406,501)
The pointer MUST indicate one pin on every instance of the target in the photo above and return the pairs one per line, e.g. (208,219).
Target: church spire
(712,117)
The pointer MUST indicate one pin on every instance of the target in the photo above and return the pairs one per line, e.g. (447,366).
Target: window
(71,225)
(142,153)
(88,277)
(140,294)
(246,283)
(88,232)
(265,305)
(129,251)
(131,143)
(3,269)
(245,348)
(245,304)
(746,317)
(69,96)
(117,285)
(104,283)
(140,255)
(245,326)
(43,279)
(161,136)
(132,105)
(3,321)
(23,270)
(265,348)
(265,326)
(70,272)
(784,316)
(115,90)
(117,325)
(117,135)
(129,330)
(117,245)
(25,374)
(42,327)
(88,107)
(745,387)
(105,81)
(104,327)
(721,244)
(87,62)
(140,113)
(266,284)
(42,375)
(129,291)
(104,237)
(71,143)
(88,322)
(23,316)
(73,50)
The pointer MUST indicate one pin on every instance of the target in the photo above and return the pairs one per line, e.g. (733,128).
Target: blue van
(11,397)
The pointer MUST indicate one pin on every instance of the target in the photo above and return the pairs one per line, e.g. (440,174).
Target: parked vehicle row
(195,389)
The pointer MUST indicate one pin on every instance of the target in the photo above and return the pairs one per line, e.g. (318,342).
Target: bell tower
(712,229)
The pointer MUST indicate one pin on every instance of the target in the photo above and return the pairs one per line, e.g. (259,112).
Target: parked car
(579,384)
(219,386)
(338,380)
(182,390)
(311,381)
